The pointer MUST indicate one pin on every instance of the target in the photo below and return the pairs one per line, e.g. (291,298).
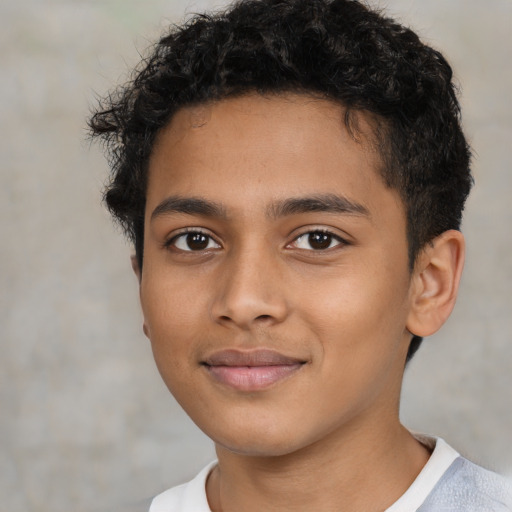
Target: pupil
(197,241)
(318,240)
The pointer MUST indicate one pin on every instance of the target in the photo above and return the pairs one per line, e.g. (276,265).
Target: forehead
(251,110)
(291,144)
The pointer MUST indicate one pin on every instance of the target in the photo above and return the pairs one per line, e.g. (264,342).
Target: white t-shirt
(448,482)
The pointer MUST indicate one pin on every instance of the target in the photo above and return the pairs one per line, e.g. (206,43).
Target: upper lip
(260,357)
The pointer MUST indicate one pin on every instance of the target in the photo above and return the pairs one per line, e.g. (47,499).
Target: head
(339,51)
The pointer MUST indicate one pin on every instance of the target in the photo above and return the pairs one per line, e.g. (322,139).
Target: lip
(253,370)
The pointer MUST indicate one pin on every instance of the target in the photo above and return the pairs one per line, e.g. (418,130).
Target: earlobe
(435,283)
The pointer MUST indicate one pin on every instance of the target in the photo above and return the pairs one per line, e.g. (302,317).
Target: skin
(327,436)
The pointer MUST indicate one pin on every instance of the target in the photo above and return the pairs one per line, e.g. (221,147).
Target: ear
(136,267)
(435,283)
(138,272)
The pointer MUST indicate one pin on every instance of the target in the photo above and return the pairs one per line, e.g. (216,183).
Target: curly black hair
(340,50)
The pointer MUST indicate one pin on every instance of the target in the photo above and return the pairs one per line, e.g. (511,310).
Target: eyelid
(318,229)
(175,235)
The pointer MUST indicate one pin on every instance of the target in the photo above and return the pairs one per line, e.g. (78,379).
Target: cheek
(172,315)
(360,331)
(170,301)
(358,310)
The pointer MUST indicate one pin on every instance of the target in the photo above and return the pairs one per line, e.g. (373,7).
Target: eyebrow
(330,203)
(188,206)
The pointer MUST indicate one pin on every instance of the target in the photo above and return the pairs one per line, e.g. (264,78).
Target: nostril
(248,309)
(263,317)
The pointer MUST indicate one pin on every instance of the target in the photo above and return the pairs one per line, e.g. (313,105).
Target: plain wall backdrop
(85,422)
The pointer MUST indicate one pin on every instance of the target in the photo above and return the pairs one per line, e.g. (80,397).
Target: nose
(250,291)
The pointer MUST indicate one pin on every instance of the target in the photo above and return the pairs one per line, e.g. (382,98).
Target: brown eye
(197,241)
(317,241)
(194,241)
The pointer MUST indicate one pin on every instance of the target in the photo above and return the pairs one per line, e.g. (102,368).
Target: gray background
(85,423)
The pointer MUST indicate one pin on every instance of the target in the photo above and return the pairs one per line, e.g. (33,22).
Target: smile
(251,371)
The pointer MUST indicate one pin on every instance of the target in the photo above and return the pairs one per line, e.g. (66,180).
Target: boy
(292,174)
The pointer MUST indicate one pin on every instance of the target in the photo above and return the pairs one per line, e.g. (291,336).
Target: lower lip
(252,378)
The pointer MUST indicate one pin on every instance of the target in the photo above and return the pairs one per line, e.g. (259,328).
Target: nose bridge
(250,290)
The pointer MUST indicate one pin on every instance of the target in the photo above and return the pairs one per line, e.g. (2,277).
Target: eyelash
(324,232)
(172,242)
(331,237)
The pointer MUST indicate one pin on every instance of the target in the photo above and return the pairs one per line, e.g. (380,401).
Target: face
(275,286)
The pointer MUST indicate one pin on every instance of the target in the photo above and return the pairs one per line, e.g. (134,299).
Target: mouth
(251,370)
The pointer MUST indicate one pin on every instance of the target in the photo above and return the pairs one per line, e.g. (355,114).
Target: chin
(261,442)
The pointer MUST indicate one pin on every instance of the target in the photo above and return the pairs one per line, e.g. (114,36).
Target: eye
(193,241)
(317,241)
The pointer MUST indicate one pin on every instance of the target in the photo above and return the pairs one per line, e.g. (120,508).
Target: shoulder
(467,487)
(189,497)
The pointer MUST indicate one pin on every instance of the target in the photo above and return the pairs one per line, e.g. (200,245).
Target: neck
(357,470)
